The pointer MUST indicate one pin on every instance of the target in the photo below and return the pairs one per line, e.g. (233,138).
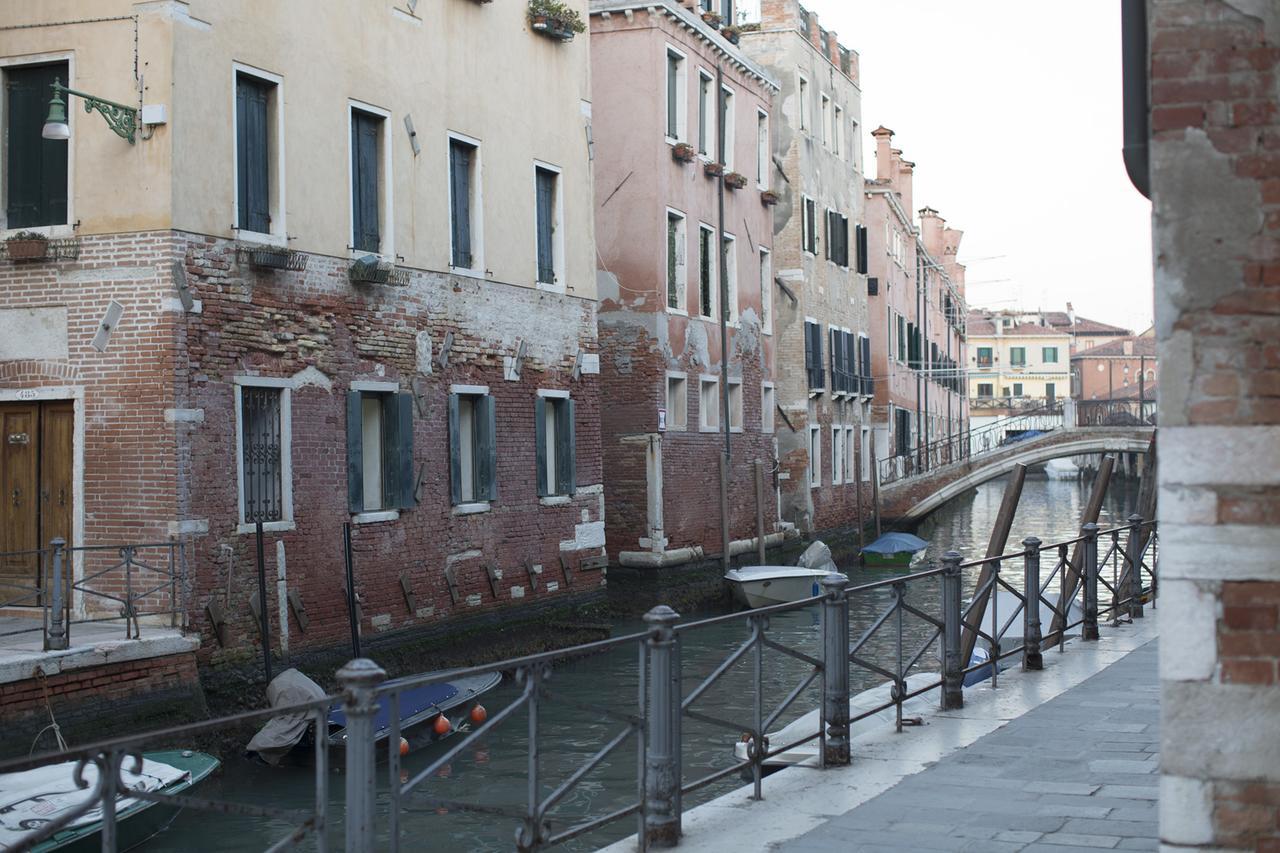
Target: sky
(1011,111)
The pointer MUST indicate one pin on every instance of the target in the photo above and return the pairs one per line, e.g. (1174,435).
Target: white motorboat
(762,586)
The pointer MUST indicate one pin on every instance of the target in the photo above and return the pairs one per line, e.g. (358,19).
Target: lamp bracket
(121,119)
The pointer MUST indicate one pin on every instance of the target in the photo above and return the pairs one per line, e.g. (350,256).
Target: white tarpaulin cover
(34,797)
(282,733)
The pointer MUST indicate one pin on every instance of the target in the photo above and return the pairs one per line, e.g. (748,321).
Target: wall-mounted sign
(19,438)
(662,420)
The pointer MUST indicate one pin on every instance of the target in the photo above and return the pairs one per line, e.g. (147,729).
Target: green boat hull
(142,820)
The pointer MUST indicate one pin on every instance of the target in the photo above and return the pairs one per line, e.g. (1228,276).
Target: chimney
(814,30)
(884,153)
(905,170)
(1071,314)
(832,48)
(931,227)
(1128,346)
(779,14)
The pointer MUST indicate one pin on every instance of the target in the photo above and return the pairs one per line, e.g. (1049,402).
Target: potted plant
(27,246)
(735,180)
(713,169)
(555,19)
(683,152)
(769,197)
(712,18)
(732,34)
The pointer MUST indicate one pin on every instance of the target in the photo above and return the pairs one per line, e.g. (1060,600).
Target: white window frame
(682,263)
(477,268)
(768,398)
(730,125)
(682,95)
(68,228)
(279,233)
(286,452)
(837,454)
(766,291)
(815,457)
(704,424)
(850,448)
(706,98)
(386,190)
(802,95)
(683,401)
(557,230)
(865,452)
(473,506)
(837,120)
(736,405)
(807,224)
(729,250)
(714,272)
(763,160)
(824,117)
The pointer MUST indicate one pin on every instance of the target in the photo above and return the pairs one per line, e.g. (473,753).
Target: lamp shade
(56,130)
(55,125)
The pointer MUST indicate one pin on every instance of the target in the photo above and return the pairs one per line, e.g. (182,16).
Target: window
(809,227)
(837,132)
(463,204)
(709,404)
(839,383)
(706,271)
(369,182)
(727,124)
(762,149)
(547,208)
(815,457)
(735,405)
(555,444)
(1050,391)
(706,113)
(676,94)
(264,453)
(837,238)
(677,277)
(36,174)
(837,455)
(729,257)
(902,431)
(824,116)
(902,339)
(380,473)
(986,389)
(984,357)
(257,152)
(803,97)
(677,402)
(865,455)
(860,237)
(868,376)
(473,459)
(766,408)
(1017,356)
(850,458)
(1049,355)
(813,355)
(766,292)
(1008,392)
(1017,389)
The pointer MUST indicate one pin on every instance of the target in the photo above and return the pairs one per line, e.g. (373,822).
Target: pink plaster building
(917,319)
(665,80)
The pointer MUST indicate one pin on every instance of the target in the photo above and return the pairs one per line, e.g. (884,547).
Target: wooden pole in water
(995,547)
(875,485)
(1146,505)
(857,496)
(1071,571)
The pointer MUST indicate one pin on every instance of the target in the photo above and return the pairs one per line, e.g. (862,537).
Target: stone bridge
(913,498)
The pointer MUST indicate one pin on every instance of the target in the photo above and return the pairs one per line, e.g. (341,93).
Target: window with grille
(262,455)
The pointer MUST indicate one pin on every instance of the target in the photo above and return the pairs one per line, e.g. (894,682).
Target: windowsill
(243,529)
(673,141)
(53,232)
(474,508)
(280,240)
(555,500)
(550,287)
(735,429)
(679,311)
(681,428)
(715,428)
(374,516)
(469,272)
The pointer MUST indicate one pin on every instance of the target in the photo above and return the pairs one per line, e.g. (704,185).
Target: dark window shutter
(366,235)
(540,445)
(253,166)
(808,350)
(869,382)
(827,236)
(873,283)
(455,450)
(673,101)
(566,463)
(546,191)
(460,193)
(851,358)
(487,448)
(404,463)
(355,453)
(862,250)
(37,167)
(835,358)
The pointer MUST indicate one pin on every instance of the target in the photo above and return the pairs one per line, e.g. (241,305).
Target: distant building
(1017,363)
(917,310)
(665,80)
(1085,333)
(1121,368)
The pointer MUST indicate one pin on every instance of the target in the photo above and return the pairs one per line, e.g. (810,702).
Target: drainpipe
(721,137)
(1137,102)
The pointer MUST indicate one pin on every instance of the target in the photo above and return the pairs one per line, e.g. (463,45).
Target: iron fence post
(358,678)
(1031,657)
(1134,559)
(1089,630)
(662,820)
(56,638)
(835,667)
(952,667)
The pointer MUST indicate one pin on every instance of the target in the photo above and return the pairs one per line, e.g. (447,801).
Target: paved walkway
(1077,773)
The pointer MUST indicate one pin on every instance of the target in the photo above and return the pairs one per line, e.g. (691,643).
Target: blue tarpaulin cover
(896,543)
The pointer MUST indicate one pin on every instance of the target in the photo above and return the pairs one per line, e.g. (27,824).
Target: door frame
(74,394)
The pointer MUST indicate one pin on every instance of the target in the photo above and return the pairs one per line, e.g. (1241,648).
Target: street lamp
(121,119)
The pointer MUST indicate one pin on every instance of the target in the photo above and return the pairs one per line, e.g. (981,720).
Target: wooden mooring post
(995,547)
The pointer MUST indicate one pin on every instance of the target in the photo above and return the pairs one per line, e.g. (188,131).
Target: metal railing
(1116,413)
(129,583)
(930,599)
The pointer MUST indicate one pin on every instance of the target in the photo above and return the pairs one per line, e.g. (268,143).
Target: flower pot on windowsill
(769,197)
(27,246)
(735,180)
(713,169)
(731,34)
(554,19)
(683,152)
(712,18)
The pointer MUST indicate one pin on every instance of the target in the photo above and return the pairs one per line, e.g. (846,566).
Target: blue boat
(893,549)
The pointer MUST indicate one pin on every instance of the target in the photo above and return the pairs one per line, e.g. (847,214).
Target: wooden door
(57,431)
(19,503)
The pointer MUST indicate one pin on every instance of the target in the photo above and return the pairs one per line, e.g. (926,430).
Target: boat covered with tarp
(893,549)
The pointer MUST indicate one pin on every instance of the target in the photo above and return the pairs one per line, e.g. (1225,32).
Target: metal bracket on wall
(447,344)
(417,486)
(790,294)
(786,420)
(533,571)
(299,609)
(515,362)
(495,577)
(255,607)
(577,366)
(451,578)
(410,600)
(419,388)
(567,570)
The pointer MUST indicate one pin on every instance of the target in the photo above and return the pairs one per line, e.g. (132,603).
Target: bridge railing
(1116,413)
(899,621)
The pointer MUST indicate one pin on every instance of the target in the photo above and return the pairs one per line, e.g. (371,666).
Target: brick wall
(1215,155)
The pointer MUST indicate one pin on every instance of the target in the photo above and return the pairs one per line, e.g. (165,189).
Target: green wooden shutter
(460,193)
(37,167)
(486,448)
(540,445)
(455,451)
(365,129)
(403,456)
(252,166)
(355,453)
(566,442)
(546,189)
(673,101)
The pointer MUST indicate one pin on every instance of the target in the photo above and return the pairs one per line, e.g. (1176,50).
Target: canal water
(494,772)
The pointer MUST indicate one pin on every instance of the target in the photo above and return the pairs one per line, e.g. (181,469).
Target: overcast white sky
(1011,111)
